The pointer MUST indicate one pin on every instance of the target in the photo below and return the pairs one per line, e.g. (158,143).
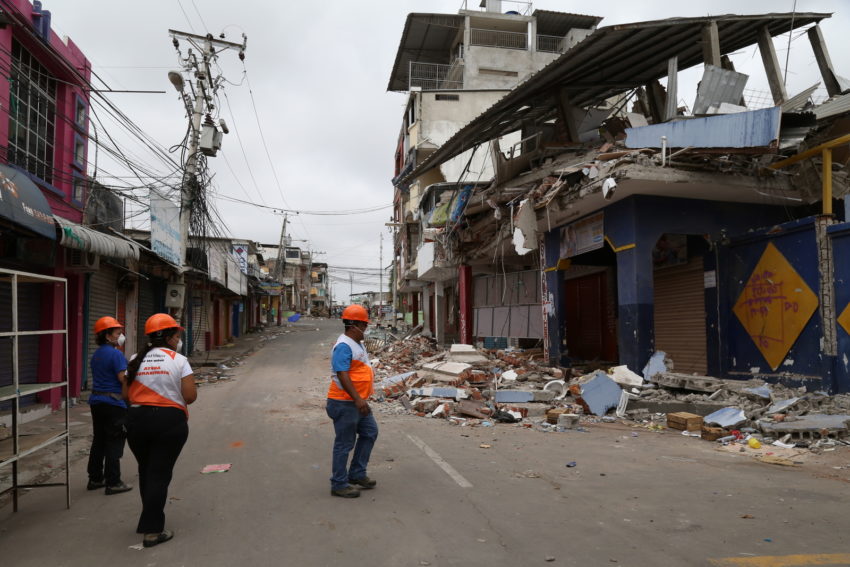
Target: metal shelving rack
(18,446)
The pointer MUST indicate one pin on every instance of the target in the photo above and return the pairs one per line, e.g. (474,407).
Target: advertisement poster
(582,236)
(165,229)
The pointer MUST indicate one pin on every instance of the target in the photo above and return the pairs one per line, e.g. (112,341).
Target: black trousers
(107,446)
(156,436)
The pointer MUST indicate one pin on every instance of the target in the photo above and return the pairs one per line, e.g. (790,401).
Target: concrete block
(688,382)
(812,426)
(465,353)
(513,396)
(439,392)
(543,395)
(473,409)
(450,368)
(567,420)
(599,394)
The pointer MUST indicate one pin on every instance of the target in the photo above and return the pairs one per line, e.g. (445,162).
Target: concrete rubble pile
(478,387)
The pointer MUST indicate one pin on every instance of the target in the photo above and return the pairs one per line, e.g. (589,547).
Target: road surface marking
(441,462)
(784,560)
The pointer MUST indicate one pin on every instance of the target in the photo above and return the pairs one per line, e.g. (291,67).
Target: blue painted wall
(641,220)
(804,363)
(840,235)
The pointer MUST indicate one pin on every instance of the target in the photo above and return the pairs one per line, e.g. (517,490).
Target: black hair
(157,339)
(100,338)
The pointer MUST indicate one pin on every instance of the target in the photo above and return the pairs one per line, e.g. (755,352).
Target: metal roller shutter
(102,301)
(680,316)
(147,307)
(29,319)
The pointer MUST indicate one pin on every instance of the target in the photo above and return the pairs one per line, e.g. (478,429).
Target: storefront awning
(83,238)
(22,202)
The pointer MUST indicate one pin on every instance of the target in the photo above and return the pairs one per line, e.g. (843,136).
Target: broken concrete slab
(599,394)
(513,396)
(439,392)
(625,377)
(688,382)
(543,395)
(813,426)
(448,372)
(726,417)
(396,385)
(465,353)
(473,409)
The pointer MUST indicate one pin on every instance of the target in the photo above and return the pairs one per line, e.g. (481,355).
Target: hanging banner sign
(582,236)
(240,251)
(165,229)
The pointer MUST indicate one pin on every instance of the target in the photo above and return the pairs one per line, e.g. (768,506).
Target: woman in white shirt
(160,386)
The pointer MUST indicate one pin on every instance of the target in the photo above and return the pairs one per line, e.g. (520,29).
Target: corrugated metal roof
(427,38)
(612,60)
(559,23)
(754,129)
(719,85)
(833,107)
(799,100)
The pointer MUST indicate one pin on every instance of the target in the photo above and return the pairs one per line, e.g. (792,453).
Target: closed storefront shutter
(149,301)
(29,319)
(102,302)
(200,305)
(680,316)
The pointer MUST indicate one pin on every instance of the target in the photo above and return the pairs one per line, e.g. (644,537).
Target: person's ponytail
(158,339)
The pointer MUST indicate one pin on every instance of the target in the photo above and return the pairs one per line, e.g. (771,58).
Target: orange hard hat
(355,313)
(159,322)
(105,323)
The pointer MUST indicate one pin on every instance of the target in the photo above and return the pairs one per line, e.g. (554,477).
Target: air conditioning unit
(82,261)
(175,295)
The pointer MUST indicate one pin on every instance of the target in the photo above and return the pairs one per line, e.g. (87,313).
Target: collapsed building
(613,223)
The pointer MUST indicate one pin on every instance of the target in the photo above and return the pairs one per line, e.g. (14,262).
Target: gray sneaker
(118,488)
(347,492)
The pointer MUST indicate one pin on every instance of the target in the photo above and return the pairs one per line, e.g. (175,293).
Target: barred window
(32,114)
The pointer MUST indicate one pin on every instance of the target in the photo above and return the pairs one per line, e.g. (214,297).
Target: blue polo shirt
(106,362)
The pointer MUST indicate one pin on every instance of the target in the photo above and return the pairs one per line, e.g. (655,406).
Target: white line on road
(441,462)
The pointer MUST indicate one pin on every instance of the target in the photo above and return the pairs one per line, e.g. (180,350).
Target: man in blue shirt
(108,408)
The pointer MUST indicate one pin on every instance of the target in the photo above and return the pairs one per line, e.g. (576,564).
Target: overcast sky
(319,72)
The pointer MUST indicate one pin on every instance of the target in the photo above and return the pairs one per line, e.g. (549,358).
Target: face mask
(179,345)
(121,339)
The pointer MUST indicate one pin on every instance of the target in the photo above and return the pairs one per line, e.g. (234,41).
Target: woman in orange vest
(160,387)
(354,424)
(108,409)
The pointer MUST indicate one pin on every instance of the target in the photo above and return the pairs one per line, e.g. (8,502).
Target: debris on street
(476,387)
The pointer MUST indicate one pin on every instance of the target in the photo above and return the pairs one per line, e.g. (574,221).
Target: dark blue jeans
(353,431)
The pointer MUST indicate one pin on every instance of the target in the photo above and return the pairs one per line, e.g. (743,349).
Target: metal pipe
(663,151)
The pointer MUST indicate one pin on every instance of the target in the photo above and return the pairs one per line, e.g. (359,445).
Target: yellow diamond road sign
(775,306)
(844,319)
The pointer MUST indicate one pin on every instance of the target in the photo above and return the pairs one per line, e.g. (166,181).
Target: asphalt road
(442,499)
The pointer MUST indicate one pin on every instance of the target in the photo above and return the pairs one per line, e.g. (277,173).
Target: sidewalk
(209,367)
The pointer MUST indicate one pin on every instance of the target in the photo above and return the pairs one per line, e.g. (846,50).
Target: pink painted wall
(63,60)
(66,62)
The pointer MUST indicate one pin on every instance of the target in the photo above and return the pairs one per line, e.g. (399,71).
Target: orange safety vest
(361,372)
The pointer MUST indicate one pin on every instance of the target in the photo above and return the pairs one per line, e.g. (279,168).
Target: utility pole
(281,255)
(381,279)
(198,63)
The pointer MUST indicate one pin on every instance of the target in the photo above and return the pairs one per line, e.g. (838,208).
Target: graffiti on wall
(775,306)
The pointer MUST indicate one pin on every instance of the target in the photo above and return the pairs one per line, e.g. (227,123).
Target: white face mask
(121,339)
(179,345)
